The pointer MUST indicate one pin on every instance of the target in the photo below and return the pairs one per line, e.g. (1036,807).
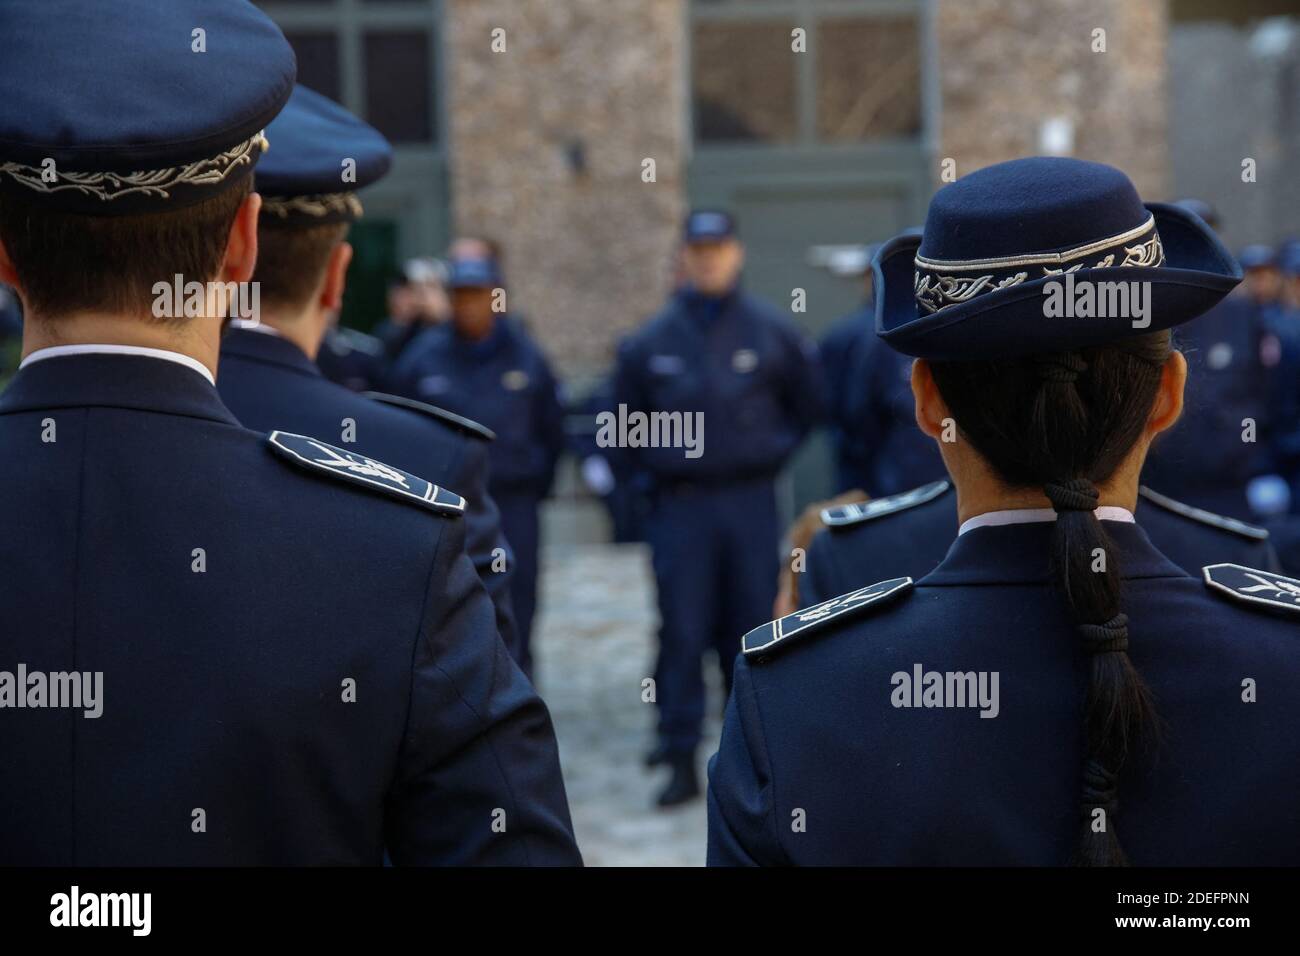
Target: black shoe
(684,785)
(658,755)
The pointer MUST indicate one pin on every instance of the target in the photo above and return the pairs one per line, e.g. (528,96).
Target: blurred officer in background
(855,733)
(417,300)
(1209,458)
(285,654)
(11,332)
(482,363)
(350,357)
(267,376)
(736,365)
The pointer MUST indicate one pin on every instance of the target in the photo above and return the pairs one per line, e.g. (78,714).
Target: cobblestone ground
(595,644)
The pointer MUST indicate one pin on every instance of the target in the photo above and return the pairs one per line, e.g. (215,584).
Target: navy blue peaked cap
(111,108)
(321,155)
(972,285)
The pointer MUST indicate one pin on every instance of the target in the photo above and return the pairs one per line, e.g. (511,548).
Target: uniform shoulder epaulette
(1203,516)
(459,422)
(317,456)
(773,635)
(1253,586)
(841,516)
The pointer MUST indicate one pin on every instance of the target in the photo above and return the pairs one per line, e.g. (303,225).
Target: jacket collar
(1020,554)
(268,348)
(104,380)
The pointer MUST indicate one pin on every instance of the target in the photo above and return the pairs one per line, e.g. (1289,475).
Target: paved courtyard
(594,646)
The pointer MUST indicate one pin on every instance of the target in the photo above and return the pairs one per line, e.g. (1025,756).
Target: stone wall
(599,82)
(1007,66)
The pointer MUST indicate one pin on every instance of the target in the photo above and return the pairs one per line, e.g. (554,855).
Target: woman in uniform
(1057,690)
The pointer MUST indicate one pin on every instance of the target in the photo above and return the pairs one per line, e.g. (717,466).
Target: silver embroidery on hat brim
(153,182)
(318,206)
(935,289)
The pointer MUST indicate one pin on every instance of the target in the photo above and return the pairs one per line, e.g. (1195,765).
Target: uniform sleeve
(805,390)
(484,539)
(478,778)
(628,390)
(550,419)
(742,821)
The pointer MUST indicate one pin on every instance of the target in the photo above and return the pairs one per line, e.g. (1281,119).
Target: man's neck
(306,330)
(198,338)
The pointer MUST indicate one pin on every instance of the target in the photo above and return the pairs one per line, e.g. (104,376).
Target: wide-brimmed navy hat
(974,284)
(135,106)
(322,156)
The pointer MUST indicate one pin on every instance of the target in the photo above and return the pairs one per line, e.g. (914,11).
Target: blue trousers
(519,523)
(715,565)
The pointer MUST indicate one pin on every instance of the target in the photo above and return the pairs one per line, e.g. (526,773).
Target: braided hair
(1064,423)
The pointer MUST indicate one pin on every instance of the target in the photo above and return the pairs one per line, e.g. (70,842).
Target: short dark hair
(70,262)
(291,260)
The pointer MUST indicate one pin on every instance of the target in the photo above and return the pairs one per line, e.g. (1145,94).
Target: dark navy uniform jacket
(879,447)
(225,735)
(817,764)
(909,534)
(1202,460)
(352,358)
(740,362)
(504,382)
(270,383)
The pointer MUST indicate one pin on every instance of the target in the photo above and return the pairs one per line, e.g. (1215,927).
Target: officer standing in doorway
(483,364)
(719,356)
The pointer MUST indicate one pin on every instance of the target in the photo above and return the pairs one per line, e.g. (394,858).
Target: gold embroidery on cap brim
(317,206)
(154,182)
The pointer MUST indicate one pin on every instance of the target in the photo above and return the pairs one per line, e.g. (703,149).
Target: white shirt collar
(59,351)
(992,519)
(256,325)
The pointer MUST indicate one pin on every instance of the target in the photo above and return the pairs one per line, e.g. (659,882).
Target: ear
(1168,405)
(336,277)
(931,410)
(241,244)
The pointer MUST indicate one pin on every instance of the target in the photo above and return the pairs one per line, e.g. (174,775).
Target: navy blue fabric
(912,542)
(713,523)
(223,690)
(352,359)
(270,384)
(1203,460)
(1033,206)
(310,140)
(685,359)
(879,449)
(505,382)
(811,735)
(151,103)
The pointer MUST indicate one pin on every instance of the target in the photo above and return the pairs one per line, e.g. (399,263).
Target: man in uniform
(268,378)
(721,357)
(220,647)
(484,364)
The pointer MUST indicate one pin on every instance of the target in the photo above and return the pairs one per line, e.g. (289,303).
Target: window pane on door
(399,99)
(868,79)
(744,82)
(318,61)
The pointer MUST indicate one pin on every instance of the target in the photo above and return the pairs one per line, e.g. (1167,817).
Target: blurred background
(542,147)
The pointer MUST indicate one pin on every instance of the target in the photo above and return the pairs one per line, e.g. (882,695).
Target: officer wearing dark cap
(1222,441)
(910,533)
(268,378)
(484,364)
(1003,708)
(720,357)
(221,647)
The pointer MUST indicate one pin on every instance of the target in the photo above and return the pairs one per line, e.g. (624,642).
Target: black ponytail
(1063,423)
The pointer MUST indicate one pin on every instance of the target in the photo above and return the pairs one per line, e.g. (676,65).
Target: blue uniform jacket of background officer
(909,534)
